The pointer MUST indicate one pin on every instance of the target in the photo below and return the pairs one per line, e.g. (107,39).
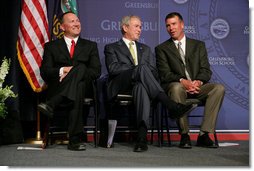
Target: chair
(123,103)
(198,115)
(52,129)
(126,100)
(160,119)
(192,115)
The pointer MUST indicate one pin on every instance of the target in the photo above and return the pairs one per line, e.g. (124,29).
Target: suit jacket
(119,60)
(171,67)
(56,55)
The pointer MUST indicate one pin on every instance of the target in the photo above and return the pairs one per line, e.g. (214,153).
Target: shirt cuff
(61,71)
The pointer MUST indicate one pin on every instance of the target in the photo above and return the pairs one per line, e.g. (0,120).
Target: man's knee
(177,92)
(176,88)
(139,87)
(219,88)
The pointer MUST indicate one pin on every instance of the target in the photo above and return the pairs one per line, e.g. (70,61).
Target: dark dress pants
(73,87)
(144,88)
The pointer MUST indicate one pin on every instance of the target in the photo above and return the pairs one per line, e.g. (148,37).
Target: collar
(183,41)
(127,41)
(68,40)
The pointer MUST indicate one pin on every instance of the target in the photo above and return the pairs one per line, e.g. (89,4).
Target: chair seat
(124,99)
(91,102)
(88,101)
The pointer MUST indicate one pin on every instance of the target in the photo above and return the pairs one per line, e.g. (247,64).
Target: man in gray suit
(131,68)
(185,72)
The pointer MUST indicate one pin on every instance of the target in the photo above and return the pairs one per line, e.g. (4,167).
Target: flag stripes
(32,35)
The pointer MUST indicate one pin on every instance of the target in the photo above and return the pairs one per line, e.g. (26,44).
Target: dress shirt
(126,41)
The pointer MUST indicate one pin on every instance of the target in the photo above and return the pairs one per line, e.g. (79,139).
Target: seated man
(131,68)
(185,71)
(68,73)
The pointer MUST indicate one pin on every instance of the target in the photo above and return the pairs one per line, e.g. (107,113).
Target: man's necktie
(72,48)
(183,59)
(133,53)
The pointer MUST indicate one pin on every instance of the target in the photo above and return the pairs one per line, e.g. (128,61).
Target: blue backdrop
(222,24)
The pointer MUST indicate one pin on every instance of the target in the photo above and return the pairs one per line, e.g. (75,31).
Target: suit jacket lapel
(171,45)
(63,47)
(187,57)
(139,51)
(188,48)
(125,50)
(175,51)
(78,48)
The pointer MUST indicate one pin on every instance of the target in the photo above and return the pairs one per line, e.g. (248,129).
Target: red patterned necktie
(72,48)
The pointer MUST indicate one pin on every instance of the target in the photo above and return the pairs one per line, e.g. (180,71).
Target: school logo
(229,61)
(180,1)
(219,28)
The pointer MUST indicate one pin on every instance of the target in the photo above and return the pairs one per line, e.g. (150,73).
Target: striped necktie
(183,59)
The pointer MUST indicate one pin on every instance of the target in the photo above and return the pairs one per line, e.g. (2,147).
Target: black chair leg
(167,125)
(152,129)
(159,129)
(215,139)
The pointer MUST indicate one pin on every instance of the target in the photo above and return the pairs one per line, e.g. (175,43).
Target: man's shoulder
(54,42)
(86,41)
(116,43)
(196,41)
(163,44)
(145,46)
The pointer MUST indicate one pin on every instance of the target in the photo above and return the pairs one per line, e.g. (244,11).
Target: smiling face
(132,30)
(71,25)
(175,27)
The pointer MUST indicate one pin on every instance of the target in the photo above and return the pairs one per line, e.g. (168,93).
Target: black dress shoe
(180,110)
(185,141)
(76,146)
(205,141)
(45,109)
(140,146)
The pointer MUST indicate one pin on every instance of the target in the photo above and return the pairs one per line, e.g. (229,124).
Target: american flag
(33,34)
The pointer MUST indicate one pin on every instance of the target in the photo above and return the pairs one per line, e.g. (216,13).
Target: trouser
(146,88)
(211,93)
(72,90)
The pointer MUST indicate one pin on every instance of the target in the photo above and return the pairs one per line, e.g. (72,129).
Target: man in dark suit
(185,72)
(69,66)
(131,68)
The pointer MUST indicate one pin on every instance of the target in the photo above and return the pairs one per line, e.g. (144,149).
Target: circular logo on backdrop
(219,28)
(229,62)
(180,1)
(248,60)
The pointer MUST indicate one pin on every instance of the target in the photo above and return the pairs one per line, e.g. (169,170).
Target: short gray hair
(126,21)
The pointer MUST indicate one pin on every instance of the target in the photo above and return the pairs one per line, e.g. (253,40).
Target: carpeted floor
(121,156)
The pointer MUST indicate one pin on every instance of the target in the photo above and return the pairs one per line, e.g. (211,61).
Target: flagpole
(38,139)
(31,19)
(38,133)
